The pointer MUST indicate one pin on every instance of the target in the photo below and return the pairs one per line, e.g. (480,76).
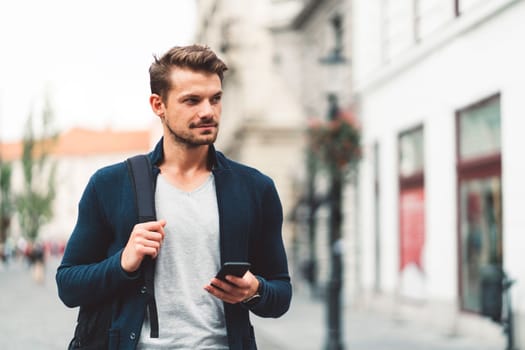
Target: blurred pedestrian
(37,262)
(210,210)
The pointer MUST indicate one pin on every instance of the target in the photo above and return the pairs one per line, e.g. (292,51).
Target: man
(210,210)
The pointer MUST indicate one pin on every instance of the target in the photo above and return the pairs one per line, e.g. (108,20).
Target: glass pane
(480,130)
(412,242)
(481,236)
(411,152)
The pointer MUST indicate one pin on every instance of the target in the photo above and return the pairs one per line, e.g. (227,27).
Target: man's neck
(184,166)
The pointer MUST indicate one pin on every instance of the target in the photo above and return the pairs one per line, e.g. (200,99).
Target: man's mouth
(204,126)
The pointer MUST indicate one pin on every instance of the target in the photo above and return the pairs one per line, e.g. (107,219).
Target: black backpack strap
(142,180)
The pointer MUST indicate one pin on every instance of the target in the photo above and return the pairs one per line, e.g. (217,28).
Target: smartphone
(233,268)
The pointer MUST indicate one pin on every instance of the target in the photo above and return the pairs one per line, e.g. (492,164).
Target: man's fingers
(240,282)
(152,236)
(153,230)
(226,291)
(145,239)
(218,292)
(149,243)
(147,250)
(152,226)
(220,284)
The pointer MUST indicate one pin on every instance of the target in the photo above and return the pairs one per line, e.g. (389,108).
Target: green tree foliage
(6,204)
(35,202)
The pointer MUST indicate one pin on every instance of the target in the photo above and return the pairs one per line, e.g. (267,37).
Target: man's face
(193,107)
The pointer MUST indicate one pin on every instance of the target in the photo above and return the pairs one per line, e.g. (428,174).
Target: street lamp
(311,266)
(334,62)
(335,284)
(336,144)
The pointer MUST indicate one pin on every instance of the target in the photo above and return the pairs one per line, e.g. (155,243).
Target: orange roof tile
(11,150)
(79,141)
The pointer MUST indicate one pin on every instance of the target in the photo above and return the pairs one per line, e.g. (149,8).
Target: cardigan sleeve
(270,259)
(86,274)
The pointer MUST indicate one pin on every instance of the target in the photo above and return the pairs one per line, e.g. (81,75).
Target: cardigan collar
(215,158)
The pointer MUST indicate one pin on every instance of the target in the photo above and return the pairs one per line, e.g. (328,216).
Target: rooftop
(80,141)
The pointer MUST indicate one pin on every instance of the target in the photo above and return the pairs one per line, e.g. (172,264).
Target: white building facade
(280,77)
(315,50)
(439,86)
(262,120)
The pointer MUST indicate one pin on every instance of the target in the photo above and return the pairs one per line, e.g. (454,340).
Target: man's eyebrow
(189,95)
(194,95)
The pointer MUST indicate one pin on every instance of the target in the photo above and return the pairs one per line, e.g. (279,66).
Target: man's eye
(216,99)
(191,101)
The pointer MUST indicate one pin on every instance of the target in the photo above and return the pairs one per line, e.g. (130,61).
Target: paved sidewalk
(32,317)
(304,328)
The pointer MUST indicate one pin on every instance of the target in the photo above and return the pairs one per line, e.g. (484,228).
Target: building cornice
(457,28)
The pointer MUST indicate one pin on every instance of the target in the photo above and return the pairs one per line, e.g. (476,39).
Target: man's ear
(157,105)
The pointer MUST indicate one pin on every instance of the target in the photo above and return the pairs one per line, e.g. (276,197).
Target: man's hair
(195,57)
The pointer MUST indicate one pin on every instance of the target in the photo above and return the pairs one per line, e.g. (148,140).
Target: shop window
(479,197)
(411,212)
(411,154)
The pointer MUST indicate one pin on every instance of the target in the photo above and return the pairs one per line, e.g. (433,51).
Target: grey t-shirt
(189,317)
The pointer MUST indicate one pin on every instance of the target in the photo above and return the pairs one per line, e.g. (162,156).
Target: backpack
(93,322)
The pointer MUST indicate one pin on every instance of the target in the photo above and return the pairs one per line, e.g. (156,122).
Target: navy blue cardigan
(250,217)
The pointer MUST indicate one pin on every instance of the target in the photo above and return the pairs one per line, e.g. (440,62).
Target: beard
(192,140)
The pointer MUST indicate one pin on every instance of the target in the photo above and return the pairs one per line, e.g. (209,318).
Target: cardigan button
(132,336)
(143,290)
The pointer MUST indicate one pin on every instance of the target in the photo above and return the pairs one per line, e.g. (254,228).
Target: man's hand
(145,239)
(237,290)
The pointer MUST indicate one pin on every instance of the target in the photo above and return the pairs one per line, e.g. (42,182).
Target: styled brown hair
(195,57)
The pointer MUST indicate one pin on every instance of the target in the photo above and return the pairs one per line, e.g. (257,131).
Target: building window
(411,154)
(479,198)
(411,212)
(407,23)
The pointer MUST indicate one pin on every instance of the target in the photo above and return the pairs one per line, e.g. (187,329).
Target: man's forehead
(187,72)
(186,77)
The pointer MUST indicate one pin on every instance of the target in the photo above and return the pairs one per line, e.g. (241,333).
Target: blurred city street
(34,318)
(392,132)
(304,327)
(32,315)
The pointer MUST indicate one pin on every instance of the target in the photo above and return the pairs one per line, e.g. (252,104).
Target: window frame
(413,181)
(478,167)
(417,178)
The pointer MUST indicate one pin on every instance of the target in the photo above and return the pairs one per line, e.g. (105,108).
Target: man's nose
(206,109)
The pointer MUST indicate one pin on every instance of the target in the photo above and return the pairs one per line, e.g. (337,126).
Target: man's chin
(204,141)
(207,139)
(194,140)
